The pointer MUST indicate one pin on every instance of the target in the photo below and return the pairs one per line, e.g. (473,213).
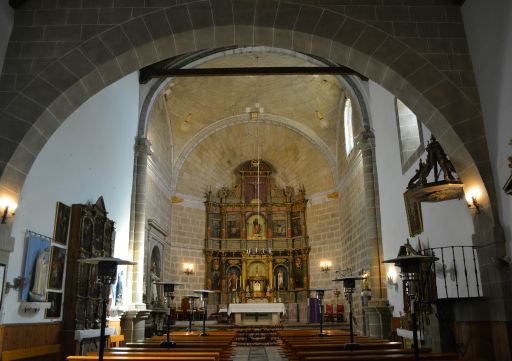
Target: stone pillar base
(134,324)
(378,319)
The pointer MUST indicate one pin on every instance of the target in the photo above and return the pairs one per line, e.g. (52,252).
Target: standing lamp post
(169,294)
(320,296)
(411,266)
(203,295)
(349,286)
(106,276)
(191,301)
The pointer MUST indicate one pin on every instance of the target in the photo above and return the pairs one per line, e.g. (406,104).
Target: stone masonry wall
(187,244)
(324,236)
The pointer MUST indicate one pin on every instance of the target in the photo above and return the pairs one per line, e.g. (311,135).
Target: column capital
(143,145)
(365,138)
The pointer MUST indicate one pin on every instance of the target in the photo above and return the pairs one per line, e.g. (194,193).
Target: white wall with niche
(445,223)
(89,155)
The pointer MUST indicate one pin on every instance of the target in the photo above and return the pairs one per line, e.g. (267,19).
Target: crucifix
(256,183)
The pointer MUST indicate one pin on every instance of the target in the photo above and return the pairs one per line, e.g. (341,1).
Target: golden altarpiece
(256,242)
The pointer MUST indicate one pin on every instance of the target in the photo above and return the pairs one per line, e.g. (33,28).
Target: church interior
(260,179)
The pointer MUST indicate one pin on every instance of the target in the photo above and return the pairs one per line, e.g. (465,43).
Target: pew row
(32,352)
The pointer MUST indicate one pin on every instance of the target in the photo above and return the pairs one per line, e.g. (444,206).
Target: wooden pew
(401,357)
(142,358)
(190,353)
(24,353)
(303,355)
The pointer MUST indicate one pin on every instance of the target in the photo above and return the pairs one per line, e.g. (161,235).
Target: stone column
(377,312)
(133,322)
(366,142)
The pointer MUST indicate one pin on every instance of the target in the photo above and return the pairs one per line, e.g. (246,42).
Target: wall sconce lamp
(7,205)
(17,284)
(188,269)
(325,266)
(472,197)
(392,277)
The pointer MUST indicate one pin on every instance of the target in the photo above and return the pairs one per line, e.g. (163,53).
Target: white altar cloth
(256,308)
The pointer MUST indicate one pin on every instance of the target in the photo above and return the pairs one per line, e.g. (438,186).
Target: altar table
(256,313)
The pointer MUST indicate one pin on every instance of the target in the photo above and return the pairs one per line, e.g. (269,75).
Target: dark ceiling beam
(148,73)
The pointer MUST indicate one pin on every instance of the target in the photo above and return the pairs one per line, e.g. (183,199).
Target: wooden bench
(116,340)
(24,353)
(402,357)
(215,355)
(142,358)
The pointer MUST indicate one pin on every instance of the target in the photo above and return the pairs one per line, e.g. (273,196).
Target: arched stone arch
(36,111)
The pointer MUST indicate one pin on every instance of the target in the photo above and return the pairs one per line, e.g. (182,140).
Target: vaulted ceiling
(297,131)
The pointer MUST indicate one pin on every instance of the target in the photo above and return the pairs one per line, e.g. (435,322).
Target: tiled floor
(258,353)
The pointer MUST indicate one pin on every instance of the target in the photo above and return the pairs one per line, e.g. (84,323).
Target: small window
(409,134)
(349,133)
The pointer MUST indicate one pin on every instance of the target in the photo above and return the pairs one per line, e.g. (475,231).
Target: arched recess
(35,112)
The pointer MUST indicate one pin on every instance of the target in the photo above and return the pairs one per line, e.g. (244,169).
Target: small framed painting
(57,264)
(62,216)
(56,300)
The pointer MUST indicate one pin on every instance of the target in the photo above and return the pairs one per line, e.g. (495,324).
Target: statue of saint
(38,290)
(154,278)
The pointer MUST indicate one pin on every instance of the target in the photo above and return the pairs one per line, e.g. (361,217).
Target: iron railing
(456,272)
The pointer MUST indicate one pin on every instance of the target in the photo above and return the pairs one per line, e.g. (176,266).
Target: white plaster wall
(446,223)
(489,34)
(90,155)
(6,21)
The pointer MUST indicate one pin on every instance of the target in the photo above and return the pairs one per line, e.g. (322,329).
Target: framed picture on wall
(62,216)
(57,264)
(56,300)
(37,260)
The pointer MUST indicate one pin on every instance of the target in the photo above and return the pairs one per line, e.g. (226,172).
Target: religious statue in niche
(256,227)
(215,278)
(233,279)
(281,278)
(155,277)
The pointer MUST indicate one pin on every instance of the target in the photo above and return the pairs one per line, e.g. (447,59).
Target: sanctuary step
(257,336)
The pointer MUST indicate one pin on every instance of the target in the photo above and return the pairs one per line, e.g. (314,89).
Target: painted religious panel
(299,273)
(279,226)
(55,298)
(256,227)
(215,275)
(62,216)
(99,229)
(233,225)
(215,226)
(296,225)
(86,236)
(57,264)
